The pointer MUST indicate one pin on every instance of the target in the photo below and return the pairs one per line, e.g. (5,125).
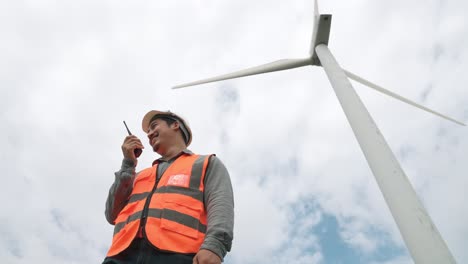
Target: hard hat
(184,127)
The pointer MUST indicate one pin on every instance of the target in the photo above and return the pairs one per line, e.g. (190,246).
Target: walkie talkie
(137,151)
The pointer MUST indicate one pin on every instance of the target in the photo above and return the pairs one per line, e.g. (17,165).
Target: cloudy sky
(70,72)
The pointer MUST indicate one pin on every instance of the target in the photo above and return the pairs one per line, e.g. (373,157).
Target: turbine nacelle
(320,35)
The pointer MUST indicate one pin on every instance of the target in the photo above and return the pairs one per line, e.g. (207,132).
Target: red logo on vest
(179,180)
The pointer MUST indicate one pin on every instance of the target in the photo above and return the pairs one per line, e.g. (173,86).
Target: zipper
(147,202)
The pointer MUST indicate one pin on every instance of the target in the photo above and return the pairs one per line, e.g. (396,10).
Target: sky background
(71,71)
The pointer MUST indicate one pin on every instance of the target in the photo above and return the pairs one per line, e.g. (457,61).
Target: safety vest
(171,212)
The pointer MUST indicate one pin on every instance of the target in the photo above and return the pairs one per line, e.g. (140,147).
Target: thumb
(195,259)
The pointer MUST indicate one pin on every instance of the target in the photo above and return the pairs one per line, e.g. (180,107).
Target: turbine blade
(316,10)
(279,65)
(314,29)
(396,96)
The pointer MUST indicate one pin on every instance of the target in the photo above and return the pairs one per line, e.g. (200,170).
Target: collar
(185,151)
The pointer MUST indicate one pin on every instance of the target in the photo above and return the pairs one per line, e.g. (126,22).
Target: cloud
(71,73)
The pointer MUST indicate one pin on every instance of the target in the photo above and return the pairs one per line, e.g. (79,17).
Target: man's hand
(128,147)
(205,256)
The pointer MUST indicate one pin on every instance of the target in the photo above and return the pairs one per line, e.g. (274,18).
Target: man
(180,210)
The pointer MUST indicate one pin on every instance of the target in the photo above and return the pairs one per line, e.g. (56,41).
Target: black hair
(169,121)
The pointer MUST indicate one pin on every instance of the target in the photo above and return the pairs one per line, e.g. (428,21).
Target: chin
(155,149)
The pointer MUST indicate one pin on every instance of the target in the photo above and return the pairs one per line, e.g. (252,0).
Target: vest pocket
(128,210)
(181,219)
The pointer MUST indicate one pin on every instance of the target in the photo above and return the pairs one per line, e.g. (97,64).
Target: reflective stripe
(195,194)
(171,215)
(138,197)
(131,218)
(197,171)
(178,217)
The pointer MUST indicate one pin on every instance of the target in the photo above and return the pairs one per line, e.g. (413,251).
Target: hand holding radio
(132,146)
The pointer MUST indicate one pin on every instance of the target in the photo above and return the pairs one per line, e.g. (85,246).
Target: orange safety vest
(173,211)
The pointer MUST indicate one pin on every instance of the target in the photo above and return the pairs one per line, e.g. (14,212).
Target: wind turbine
(421,236)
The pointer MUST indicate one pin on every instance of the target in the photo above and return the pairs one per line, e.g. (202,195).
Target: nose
(150,133)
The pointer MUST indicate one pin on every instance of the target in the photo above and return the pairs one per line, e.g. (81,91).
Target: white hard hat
(184,127)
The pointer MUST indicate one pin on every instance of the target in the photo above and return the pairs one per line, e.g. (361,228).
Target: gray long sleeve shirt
(218,199)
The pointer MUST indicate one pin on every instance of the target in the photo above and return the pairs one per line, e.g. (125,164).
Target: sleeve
(120,190)
(219,203)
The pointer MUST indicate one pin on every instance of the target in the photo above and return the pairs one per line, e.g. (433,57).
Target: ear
(175,125)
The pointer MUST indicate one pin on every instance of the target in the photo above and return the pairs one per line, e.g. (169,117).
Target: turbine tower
(419,233)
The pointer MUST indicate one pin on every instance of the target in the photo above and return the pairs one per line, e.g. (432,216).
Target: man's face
(161,135)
